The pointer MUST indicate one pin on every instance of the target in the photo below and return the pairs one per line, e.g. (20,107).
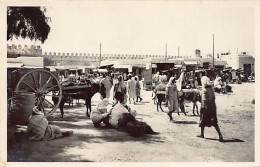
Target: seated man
(100,114)
(219,86)
(118,110)
(38,128)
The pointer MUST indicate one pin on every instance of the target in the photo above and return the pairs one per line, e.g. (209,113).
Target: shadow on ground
(227,140)
(22,150)
(185,122)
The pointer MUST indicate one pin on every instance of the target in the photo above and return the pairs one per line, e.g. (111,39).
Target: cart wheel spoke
(37,101)
(48,102)
(46,83)
(50,89)
(40,79)
(34,82)
(29,86)
(52,95)
(42,82)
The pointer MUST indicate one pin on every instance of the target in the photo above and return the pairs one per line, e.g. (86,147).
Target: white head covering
(104,102)
(205,81)
(171,79)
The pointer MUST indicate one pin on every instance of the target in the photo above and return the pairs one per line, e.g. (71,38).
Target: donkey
(192,95)
(85,93)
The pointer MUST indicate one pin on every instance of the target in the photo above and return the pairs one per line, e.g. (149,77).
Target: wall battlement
(32,51)
(53,58)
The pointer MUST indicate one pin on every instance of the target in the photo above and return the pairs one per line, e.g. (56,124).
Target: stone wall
(55,58)
(32,51)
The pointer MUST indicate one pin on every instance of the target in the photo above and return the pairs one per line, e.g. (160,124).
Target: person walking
(208,114)
(131,88)
(172,97)
(138,89)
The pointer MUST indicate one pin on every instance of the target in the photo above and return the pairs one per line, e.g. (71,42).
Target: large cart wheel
(45,86)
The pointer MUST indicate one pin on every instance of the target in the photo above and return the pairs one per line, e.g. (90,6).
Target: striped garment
(38,128)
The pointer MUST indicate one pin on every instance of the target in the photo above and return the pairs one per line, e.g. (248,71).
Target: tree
(27,22)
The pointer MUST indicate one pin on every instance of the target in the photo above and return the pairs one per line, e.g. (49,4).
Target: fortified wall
(55,58)
(17,51)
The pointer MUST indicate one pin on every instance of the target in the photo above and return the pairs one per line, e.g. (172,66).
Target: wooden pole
(213,51)
(99,54)
(165,52)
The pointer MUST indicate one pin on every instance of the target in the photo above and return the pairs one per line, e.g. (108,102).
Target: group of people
(208,114)
(131,89)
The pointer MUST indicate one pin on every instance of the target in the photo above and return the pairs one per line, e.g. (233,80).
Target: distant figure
(208,115)
(218,85)
(131,89)
(106,86)
(120,88)
(172,97)
(196,83)
(156,79)
(192,79)
(72,77)
(138,90)
(125,77)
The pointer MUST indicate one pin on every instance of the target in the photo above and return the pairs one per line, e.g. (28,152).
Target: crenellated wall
(55,58)
(32,51)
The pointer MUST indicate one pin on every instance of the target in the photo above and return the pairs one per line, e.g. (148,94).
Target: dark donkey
(85,93)
(192,95)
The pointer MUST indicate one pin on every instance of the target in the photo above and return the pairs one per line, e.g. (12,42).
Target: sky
(146,28)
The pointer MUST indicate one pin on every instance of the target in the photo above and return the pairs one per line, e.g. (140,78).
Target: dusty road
(177,141)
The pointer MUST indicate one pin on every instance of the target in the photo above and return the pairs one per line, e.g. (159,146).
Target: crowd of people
(124,92)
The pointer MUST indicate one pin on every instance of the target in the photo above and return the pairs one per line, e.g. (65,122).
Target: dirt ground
(176,141)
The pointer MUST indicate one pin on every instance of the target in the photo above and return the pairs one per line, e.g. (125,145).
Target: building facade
(239,61)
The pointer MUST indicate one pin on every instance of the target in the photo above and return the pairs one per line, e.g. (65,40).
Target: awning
(154,66)
(122,66)
(91,67)
(61,68)
(178,65)
(102,70)
(190,62)
(33,67)
(14,65)
(105,66)
(52,68)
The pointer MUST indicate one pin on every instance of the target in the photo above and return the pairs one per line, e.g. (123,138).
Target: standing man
(131,85)
(156,79)
(106,84)
(172,97)
(120,89)
(138,90)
